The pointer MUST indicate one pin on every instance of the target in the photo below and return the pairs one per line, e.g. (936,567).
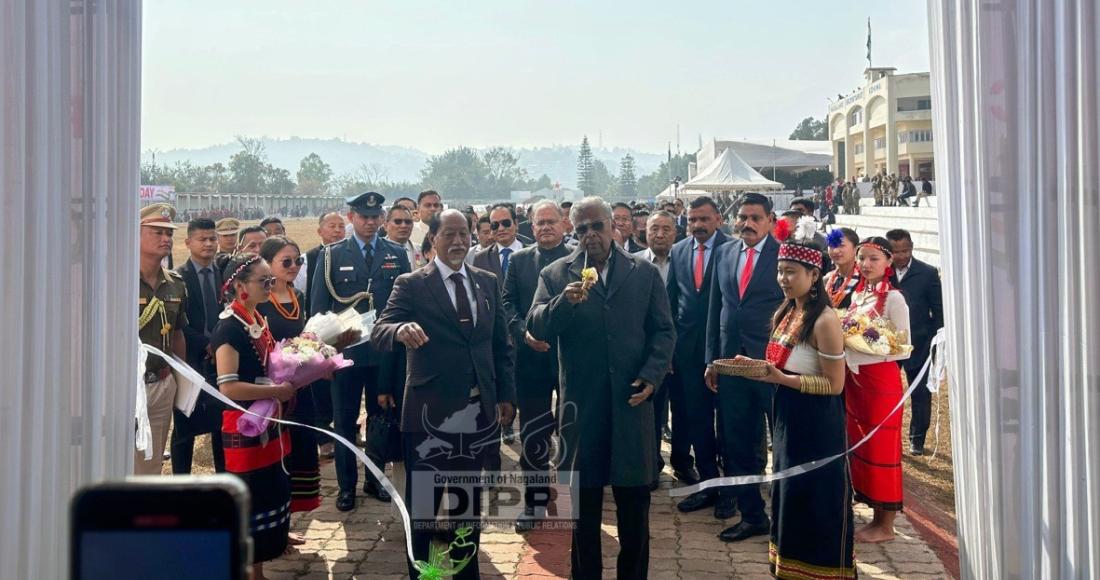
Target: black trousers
(743,409)
(348,388)
(424,518)
(206,418)
(632,515)
(920,404)
(322,397)
(698,418)
(670,400)
(536,424)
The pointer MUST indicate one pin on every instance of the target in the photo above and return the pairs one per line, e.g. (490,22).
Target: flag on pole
(868,41)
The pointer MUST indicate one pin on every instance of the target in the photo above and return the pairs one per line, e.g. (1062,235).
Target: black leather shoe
(666,435)
(726,508)
(375,490)
(915,449)
(526,521)
(508,435)
(744,531)
(697,501)
(345,501)
(688,476)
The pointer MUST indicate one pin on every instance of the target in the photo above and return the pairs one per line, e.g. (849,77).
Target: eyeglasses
(596,226)
(288,262)
(267,281)
(402,222)
(501,224)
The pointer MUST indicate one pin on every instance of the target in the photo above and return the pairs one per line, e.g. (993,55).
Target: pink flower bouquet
(299,361)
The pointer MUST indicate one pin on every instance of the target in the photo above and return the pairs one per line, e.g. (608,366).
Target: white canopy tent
(730,173)
(671,192)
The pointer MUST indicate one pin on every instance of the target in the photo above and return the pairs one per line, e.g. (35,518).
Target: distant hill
(404,163)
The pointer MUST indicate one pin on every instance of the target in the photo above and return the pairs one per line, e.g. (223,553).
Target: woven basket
(741,367)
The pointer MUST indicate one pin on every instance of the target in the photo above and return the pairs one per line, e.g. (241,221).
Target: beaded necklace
(262,341)
(785,338)
(295,309)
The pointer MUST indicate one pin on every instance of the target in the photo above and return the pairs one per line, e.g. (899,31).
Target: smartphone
(161,528)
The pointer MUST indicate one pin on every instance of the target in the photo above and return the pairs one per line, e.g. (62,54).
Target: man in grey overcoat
(615,341)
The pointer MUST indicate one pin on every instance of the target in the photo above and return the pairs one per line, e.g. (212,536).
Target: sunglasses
(267,281)
(501,224)
(597,226)
(402,222)
(288,262)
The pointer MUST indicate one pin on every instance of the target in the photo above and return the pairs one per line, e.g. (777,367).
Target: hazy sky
(433,75)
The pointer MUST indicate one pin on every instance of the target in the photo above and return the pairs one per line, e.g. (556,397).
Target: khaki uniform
(877,187)
(166,315)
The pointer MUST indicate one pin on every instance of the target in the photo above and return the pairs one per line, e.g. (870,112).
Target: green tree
(811,129)
(314,175)
(276,180)
(603,182)
(543,182)
(654,183)
(504,173)
(247,167)
(628,183)
(585,168)
(460,173)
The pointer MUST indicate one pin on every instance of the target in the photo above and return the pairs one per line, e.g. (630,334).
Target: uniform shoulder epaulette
(174,273)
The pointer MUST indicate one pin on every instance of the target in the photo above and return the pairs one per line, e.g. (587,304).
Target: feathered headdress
(782,230)
(835,238)
(801,248)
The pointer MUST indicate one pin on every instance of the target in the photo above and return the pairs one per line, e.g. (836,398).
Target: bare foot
(295,539)
(873,534)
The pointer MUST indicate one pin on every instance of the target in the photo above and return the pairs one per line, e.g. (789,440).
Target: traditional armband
(230,378)
(814,385)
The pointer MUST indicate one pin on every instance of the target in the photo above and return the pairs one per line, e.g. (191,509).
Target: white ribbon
(809,465)
(143,436)
(193,375)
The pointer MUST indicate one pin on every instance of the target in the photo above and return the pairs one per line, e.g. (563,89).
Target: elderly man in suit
(460,385)
(920,284)
(615,338)
(536,360)
(689,290)
(744,295)
(204,283)
(358,272)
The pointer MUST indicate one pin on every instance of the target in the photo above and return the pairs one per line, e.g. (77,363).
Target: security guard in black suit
(358,272)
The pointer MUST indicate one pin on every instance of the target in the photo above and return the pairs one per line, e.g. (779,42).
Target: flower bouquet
(299,361)
(875,336)
(328,327)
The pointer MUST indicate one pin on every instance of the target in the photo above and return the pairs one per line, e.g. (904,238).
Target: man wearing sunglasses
(502,224)
(615,337)
(359,271)
(399,227)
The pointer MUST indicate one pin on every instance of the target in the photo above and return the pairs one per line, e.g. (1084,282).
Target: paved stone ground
(368,543)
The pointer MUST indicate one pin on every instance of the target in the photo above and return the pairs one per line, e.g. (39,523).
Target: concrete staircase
(921,222)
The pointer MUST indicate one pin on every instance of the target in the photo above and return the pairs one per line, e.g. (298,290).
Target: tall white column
(1018,169)
(70,108)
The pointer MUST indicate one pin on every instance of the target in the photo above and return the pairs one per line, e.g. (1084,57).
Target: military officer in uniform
(162,305)
(227,229)
(358,272)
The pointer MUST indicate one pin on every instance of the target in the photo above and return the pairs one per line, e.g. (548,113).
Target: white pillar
(68,237)
(1016,122)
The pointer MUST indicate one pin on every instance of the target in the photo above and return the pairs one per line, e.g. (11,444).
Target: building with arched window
(884,126)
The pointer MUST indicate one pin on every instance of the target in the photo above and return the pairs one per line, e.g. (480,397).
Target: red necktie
(700,265)
(746,272)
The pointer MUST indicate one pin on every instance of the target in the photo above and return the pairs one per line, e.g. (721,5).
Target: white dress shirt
(515,247)
(301,281)
(661,263)
(759,247)
(446,272)
(901,272)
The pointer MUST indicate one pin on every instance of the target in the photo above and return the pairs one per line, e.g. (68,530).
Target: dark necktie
(462,302)
(209,298)
(368,255)
(504,254)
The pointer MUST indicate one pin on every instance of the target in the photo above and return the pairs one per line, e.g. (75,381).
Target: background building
(885,125)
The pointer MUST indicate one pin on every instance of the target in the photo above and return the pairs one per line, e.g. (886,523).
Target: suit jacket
(349,275)
(689,307)
(526,230)
(736,324)
(195,330)
(489,259)
(622,332)
(924,296)
(312,257)
(430,388)
(535,371)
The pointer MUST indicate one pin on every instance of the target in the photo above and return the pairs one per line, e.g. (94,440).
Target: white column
(1016,145)
(69,125)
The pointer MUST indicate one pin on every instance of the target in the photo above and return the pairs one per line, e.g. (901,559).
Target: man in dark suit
(615,341)
(536,360)
(460,384)
(359,272)
(526,227)
(920,284)
(689,284)
(496,258)
(204,283)
(744,294)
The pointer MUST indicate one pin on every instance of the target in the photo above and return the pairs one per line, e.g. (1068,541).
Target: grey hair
(660,214)
(545,203)
(591,202)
